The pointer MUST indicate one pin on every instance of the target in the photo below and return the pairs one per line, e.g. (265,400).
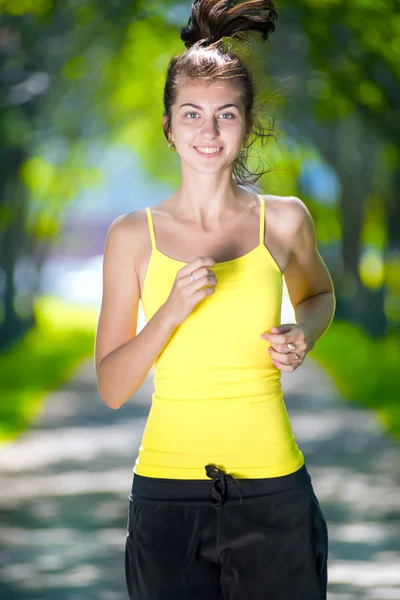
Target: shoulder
(128,221)
(288,215)
(126,236)
(128,227)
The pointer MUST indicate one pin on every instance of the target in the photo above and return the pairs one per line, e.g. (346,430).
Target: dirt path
(64,488)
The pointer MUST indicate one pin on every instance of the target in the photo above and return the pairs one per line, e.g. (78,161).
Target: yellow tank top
(218,396)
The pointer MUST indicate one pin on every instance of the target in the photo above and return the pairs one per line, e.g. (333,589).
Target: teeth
(209,150)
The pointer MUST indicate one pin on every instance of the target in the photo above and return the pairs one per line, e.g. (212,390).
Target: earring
(172,145)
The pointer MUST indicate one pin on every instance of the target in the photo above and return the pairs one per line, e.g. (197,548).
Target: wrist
(309,336)
(164,319)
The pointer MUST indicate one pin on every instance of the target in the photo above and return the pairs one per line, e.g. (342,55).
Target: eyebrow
(199,107)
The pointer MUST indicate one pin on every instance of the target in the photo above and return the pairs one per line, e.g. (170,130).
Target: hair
(208,59)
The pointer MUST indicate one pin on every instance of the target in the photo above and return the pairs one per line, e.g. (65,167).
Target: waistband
(223,489)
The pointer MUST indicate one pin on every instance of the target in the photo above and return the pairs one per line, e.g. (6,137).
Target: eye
(230,115)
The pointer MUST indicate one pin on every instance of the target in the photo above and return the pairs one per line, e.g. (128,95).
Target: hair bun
(211,20)
(209,42)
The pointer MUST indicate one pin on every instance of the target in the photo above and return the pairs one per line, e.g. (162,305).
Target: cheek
(234,132)
(186,131)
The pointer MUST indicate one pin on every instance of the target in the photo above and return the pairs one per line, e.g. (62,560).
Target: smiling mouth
(208,151)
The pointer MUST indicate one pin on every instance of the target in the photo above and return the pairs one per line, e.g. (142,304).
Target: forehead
(208,94)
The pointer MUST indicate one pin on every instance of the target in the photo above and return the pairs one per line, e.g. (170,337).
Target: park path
(64,488)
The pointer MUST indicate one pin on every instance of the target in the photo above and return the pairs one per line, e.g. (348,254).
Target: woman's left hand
(288,358)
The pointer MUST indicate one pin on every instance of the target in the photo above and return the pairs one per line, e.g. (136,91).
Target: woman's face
(208,124)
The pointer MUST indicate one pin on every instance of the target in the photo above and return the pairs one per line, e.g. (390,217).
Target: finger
(274,338)
(282,328)
(202,273)
(291,345)
(283,367)
(282,357)
(283,349)
(207,280)
(201,261)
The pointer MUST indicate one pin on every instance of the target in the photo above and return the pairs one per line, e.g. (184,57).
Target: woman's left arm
(307,277)
(310,289)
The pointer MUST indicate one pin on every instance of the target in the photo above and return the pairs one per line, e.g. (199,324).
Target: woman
(222,505)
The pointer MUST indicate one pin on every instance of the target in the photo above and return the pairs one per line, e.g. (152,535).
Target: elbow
(110,391)
(105,391)
(113,404)
(108,399)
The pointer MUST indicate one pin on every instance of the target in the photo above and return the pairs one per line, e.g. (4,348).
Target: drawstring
(219,485)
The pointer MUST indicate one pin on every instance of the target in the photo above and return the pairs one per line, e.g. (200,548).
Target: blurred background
(81,142)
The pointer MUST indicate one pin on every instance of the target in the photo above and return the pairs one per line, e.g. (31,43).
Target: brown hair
(207,58)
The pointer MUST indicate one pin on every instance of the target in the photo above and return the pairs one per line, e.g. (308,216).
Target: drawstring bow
(218,491)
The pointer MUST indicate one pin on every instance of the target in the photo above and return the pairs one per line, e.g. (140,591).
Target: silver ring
(191,277)
(291,346)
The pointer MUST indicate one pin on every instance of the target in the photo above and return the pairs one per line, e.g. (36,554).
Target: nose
(209,127)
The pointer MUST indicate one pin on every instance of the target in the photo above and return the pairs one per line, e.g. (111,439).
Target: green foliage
(364,370)
(132,84)
(42,361)
(22,7)
(355,47)
(51,186)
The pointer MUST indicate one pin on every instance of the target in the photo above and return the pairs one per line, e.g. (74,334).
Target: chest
(227,251)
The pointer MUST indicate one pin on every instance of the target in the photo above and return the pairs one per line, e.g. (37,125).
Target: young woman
(222,505)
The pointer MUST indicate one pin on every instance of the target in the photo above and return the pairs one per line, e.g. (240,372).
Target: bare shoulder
(127,224)
(306,274)
(287,213)
(129,233)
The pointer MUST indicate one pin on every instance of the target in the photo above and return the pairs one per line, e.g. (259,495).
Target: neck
(205,197)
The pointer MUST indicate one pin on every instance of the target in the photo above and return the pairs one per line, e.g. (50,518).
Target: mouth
(208,151)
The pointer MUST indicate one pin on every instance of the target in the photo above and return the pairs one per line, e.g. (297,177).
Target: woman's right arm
(122,358)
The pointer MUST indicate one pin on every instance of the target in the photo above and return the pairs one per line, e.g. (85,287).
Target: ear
(165,124)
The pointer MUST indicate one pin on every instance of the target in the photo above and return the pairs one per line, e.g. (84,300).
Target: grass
(364,370)
(43,360)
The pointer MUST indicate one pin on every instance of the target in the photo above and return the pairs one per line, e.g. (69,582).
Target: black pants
(226,539)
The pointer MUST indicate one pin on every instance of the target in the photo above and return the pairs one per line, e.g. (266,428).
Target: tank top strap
(262,217)
(151,227)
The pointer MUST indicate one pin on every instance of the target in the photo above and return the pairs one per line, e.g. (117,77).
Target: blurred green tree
(52,59)
(344,72)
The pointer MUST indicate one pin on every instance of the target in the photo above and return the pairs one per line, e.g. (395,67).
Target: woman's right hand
(186,293)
